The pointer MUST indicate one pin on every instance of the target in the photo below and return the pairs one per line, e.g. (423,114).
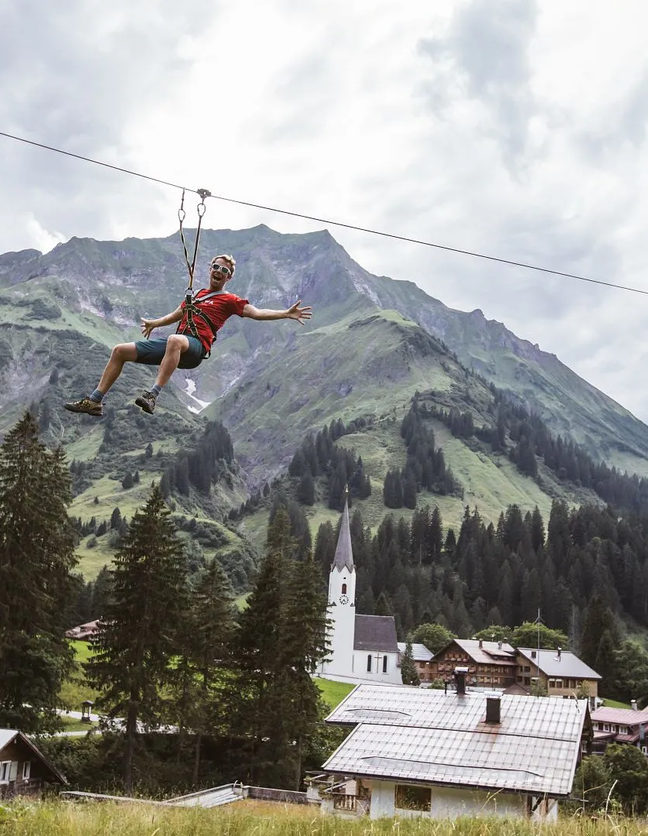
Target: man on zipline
(192,342)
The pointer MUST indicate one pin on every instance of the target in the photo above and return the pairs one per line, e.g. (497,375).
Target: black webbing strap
(192,311)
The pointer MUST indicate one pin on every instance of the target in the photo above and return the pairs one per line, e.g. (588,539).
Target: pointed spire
(343,552)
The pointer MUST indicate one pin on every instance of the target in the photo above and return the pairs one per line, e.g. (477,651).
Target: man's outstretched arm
(149,325)
(294,312)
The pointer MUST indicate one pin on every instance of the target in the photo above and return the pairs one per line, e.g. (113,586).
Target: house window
(413,798)
(552,683)
(344,589)
(527,669)
(385,663)
(559,683)
(5,769)
(369,663)
(606,727)
(26,772)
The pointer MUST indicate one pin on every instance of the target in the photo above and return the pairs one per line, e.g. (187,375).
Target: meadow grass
(75,689)
(254,818)
(333,692)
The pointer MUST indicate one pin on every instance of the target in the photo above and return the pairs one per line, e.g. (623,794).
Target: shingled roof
(375,632)
(343,552)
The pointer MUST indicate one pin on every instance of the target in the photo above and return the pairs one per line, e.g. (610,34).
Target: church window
(369,663)
(385,663)
(344,589)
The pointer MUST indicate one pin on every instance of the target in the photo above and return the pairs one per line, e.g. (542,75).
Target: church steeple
(343,551)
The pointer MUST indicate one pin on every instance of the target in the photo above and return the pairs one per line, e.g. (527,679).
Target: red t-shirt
(217,309)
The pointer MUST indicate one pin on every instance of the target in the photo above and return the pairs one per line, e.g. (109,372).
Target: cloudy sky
(515,128)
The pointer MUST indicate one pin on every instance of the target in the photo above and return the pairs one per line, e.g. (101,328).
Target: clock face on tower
(344,599)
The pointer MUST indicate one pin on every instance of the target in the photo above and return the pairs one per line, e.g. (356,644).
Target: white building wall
(341,613)
(449,803)
(393,674)
(382,799)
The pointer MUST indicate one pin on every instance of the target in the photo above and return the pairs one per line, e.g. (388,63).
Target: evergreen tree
(306,489)
(208,629)
(256,662)
(598,619)
(101,593)
(302,648)
(139,631)
(409,673)
(36,558)
(605,664)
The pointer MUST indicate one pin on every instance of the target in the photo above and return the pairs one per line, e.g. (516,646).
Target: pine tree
(201,680)
(139,631)
(409,674)
(306,489)
(257,644)
(597,620)
(303,648)
(36,559)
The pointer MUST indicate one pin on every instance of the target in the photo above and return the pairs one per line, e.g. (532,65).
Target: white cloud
(511,127)
(42,239)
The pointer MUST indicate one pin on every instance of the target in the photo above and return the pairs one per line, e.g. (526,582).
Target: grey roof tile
(552,664)
(375,632)
(343,558)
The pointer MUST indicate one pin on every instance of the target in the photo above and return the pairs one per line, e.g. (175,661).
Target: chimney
(460,679)
(533,654)
(481,644)
(493,711)
(559,652)
(499,644)
(633,705)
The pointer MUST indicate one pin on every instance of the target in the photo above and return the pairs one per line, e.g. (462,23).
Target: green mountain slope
(372,344)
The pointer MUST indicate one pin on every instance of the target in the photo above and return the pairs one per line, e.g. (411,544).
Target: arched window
(343,589)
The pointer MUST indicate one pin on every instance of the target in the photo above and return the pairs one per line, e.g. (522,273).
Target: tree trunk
(131,733)
(197,758)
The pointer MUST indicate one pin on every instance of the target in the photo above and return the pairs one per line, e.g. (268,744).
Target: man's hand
(300,314)
(147,326)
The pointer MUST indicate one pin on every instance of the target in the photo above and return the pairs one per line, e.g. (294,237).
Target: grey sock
(97,396)
(155,390)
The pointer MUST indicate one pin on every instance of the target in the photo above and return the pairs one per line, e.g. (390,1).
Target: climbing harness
(190,308)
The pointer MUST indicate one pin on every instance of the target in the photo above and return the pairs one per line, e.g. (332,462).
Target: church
(363,648)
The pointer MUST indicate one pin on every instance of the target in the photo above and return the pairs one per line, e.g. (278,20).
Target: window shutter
(13,770)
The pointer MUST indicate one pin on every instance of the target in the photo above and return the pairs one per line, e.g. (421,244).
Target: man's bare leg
(120,354)
(176,345)
(92,405)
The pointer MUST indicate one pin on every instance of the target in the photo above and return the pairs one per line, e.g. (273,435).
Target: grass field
(333,692)
(75,690)
(266,819)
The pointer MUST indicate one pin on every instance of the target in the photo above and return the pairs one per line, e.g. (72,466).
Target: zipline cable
(368,230)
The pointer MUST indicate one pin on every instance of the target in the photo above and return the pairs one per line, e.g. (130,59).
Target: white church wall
(377,674)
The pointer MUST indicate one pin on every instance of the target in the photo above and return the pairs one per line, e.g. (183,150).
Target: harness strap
(192,311)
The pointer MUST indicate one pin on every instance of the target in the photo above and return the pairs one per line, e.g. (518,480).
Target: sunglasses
(220,268)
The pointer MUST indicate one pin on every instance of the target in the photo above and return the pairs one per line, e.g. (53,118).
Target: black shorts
(151,352)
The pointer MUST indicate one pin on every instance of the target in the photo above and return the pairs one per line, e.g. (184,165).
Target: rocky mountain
(373,342)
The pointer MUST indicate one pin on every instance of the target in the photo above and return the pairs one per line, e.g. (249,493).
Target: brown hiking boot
(86,406)
(146,402)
